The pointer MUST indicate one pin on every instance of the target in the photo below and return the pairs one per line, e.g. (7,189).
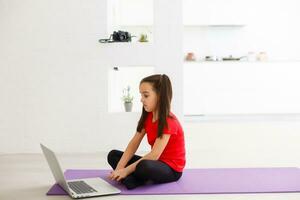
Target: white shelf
(137,25)
(215,25)
(239,62)
(242,117)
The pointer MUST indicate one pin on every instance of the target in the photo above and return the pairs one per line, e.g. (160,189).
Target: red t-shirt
(174,152)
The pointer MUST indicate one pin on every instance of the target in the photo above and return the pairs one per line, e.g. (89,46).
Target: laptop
(78,188)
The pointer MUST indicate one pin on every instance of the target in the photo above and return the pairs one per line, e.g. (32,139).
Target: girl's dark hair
(162,86)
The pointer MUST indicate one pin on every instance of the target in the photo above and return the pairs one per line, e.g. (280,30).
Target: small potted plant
(143,38)
(127,99)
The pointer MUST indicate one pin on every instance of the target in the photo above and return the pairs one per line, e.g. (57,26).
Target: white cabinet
(214,88)
(215,12)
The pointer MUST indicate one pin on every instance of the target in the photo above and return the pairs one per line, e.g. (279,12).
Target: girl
(166,160)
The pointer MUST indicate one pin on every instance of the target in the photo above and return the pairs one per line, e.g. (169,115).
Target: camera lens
(122,37)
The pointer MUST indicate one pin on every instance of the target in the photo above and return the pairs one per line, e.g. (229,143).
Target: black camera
(121,36)
(118,36)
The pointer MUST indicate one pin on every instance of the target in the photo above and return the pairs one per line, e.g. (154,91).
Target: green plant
(143,38)
(127,97)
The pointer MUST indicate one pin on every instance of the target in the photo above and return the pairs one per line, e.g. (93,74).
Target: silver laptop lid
(55,167)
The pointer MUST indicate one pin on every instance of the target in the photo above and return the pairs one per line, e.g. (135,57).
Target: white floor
(27,176)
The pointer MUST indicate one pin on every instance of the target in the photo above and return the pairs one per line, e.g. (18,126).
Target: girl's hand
(118,174)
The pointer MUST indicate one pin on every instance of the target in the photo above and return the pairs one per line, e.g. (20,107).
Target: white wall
(50,73)
(54,74)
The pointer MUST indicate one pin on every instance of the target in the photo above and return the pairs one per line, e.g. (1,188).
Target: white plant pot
(128,106)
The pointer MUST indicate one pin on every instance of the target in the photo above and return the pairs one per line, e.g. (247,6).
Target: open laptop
(78,188)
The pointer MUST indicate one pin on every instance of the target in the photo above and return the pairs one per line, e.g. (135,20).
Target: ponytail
(163,88)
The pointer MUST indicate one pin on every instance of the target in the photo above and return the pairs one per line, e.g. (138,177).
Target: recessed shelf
(120,77)
(215,25)
(134,16)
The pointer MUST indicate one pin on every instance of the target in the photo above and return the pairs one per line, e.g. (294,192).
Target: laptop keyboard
(80,187)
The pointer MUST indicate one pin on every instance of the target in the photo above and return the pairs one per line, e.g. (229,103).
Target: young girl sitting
(166,160)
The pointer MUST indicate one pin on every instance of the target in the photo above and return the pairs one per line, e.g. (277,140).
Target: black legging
(146,170)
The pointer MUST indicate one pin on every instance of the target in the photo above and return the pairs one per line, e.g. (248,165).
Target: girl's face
(148,97)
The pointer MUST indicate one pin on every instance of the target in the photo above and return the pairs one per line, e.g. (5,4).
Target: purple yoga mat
(206,181)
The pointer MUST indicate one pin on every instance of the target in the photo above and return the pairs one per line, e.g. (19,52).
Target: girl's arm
(158,148)
(131,149)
